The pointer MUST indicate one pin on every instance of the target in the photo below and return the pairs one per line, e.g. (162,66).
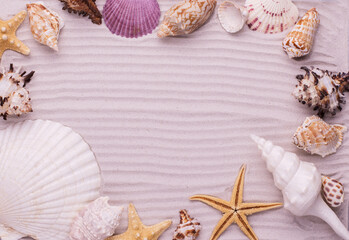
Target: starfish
(138,231)
(8,39)
(235,211)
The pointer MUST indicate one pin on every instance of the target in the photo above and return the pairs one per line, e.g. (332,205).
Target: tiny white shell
(97,221)
(232,16)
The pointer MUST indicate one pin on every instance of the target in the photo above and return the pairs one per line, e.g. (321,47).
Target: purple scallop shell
(131,18)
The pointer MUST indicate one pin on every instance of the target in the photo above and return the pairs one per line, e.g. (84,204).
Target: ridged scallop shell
(185,17)
(97,221)
(48,174)
(45,24)
(321,90)
(333,191)
(14,98)
(131,18)
(299,41)
(232,16)
(315,136)
(188,228)
(270,16)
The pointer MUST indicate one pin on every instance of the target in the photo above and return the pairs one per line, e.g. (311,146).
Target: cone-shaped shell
(185,17)
(270,16)
(131,18)
(45,24)
(299,41)
(188,228)
(232,16)
(48,173)
(318,137)
(300,183)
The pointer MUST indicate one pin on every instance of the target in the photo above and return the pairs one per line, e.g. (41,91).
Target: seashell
(131,18)
(300,184)
(321,90)
(14,98)
(84,8)
(45,24)
(185,17)
(231,16)
(188,228)
(270,16)
(97,221)
(299,41)
(315,136)
(48,173)
(333,191)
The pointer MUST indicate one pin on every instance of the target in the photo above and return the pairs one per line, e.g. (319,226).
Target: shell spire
(300,184)
(188,228)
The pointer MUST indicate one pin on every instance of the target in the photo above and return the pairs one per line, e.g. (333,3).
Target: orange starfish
(8,39)
(235,211)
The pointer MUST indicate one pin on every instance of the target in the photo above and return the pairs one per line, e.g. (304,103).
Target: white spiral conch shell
(300,184)
(97,221)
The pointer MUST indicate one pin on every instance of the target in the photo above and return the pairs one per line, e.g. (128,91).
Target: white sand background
(169,118)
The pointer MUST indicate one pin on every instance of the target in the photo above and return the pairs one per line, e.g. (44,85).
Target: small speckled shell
(185,17)
(45,24)
(97,221)
(299,41)
(188,228)
(333,191)
(318,137)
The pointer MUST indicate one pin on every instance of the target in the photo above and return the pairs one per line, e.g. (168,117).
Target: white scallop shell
(97,221)
(232,16)
(47,174)
(271,16)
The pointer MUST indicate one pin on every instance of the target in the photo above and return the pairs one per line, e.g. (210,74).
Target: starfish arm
(18,46)
(238,190)
(214,202)
(124,236)
(250,208)
(155,231)
(16,21)
(223,224)
(242,222)
(133,217)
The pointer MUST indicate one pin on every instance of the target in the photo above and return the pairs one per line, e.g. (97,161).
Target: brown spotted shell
(318,137)
(321,90)
(332,191)
(188,228)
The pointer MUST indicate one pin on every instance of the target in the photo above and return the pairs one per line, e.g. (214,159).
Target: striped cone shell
(299,41)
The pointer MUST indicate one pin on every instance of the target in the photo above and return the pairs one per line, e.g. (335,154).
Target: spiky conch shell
(84,8)
(96,221)
(321,90)
(188,228)
(185,17)
(333,191)
(45,24)
(270,16)
(300,184)
(299,41)
(14,98)
(318,137)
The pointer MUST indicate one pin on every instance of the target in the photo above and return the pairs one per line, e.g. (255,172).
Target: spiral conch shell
(45,24)
(185,17)
(299,41)
(188,228)
(97,221)
(300,183)
(318,137)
